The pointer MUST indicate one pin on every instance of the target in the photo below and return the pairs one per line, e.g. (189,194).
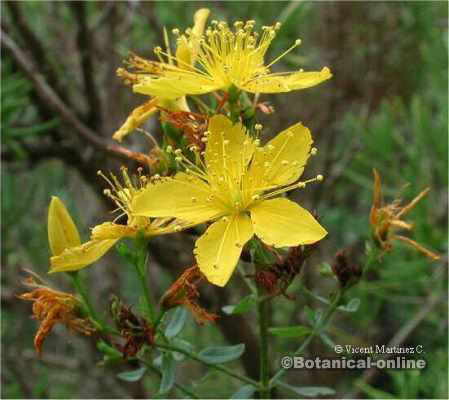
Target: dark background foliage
(385,107)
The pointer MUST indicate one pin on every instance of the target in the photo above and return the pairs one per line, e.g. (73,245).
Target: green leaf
(352,306)
(259,254)
(177,321)
(245,392)
(309,391)
(218,355)
(243,306)
(290,331)
(132,376)
(168,369)
(182,344)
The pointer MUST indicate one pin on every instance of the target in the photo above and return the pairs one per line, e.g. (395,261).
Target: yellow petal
(184,197)
(109,230)
(62,232)
(75,258)
(286,83)
(283,158)
(187,49)
(199,20)
(228,149)
(283,223)
(218,250)
(138,116)
(175,83)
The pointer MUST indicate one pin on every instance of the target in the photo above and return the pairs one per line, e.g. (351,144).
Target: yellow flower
(236,187)
(225,57)
(386,219)
(186,56)
(72,255)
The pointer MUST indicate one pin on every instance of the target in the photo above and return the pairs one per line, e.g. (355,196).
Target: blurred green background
(385,108)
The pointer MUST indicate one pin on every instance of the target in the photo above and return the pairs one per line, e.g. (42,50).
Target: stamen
(296,44)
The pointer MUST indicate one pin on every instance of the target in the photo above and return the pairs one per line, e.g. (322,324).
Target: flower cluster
(213,173)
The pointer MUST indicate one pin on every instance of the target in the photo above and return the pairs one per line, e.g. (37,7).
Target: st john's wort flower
(238,187)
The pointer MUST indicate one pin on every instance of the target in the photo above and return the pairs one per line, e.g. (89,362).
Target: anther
(178,159)
(175,31)
(319,178)
(313,151)
(169,149)
(298,42)
(258,127)
(257,142)
(204,139)
(284,162)
(178,152)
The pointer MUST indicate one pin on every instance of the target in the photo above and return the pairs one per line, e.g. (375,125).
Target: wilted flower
(276,278)
(225,57)
(386,220)
(235,187)
(185,58)
(51,307)
(184,292)
(105,235)
(134,329)
(346,271)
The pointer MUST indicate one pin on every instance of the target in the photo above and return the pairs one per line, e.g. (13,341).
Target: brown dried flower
(52,307)
(386,219)
(184,292)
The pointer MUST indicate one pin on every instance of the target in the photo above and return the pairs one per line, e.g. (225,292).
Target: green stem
(159,319)
(264,375)
(81,290)
(213,366)
(316,331)
(141,270)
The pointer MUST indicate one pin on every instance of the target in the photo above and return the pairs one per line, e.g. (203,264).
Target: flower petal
(62,231)
(283,223)
(184,197)
(109,230)
(75,258)
(228,151)
(137,117)
(174,83)
(286,83)
(218,250)
(187,49)
(281,161)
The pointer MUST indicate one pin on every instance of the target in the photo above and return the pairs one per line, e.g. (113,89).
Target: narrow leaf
(168,369)
(132,376)
(244,305)
(177,321)
(218,355)
(290,331)
(352,306)
(182,344)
